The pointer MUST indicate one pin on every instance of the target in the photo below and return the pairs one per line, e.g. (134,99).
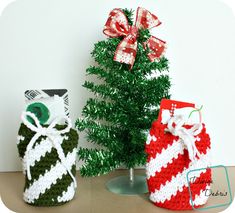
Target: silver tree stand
(128,185)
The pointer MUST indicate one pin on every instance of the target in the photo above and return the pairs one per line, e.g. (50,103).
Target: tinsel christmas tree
(125,103)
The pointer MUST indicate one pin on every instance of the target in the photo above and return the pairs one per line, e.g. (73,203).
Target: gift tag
(48,93)
(46,109)
(47,104)
(170,108)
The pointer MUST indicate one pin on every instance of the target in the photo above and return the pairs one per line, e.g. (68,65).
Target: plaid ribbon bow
(117,25)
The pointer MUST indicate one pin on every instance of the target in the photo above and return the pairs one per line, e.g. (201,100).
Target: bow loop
(66,119)
(145,19)
(34,127)
(117,26)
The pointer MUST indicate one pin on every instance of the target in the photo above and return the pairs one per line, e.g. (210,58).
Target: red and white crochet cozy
(170,158)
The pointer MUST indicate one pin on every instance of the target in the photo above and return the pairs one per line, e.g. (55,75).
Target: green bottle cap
(40,111)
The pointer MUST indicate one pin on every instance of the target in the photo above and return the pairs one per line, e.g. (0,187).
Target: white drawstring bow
(187,136)
(49,132)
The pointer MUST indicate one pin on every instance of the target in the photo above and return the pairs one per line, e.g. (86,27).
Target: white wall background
(47,44)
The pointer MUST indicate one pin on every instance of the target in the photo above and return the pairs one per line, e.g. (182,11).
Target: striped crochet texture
(167,165)
(50,184)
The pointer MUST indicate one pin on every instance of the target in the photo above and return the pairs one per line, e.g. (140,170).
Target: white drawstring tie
(187,136)
(49,132)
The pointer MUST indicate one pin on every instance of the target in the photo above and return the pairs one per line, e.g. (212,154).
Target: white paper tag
(54,104)
(184,112)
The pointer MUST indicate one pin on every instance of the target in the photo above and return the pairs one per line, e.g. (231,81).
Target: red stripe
(181,199)
(204,142)
(163,140)
(166,174)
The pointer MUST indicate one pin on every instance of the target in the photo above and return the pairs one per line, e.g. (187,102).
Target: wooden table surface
(93,197)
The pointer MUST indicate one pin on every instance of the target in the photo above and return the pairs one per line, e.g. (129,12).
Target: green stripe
(49,198)
(41,166)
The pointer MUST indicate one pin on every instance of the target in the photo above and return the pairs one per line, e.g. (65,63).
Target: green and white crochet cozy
(49,165)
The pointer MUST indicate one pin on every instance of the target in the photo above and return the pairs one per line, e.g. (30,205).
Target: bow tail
(196,150)
(117,24)
(156,46)
(189,141)
(29,147)
(126,51)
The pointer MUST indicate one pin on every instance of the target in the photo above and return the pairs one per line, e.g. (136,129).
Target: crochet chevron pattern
(51,183)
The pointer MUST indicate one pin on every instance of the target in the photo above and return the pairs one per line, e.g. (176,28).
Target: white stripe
(68,194)
(179,181)
(150,138)
(44,182)
(37,152)
(166,156)
(40,150)
(201,198)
